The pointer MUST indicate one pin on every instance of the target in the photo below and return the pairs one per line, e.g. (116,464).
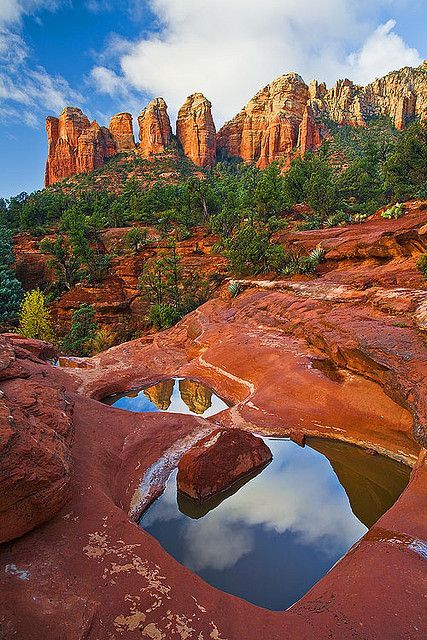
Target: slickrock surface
(217,461)
(35,434)
(195,130)
(121,129)
(155,133)
(341,355)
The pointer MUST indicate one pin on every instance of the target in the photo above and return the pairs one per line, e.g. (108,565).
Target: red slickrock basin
(219,460)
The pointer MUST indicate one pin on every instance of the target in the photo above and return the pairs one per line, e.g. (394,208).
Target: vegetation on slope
(354,173)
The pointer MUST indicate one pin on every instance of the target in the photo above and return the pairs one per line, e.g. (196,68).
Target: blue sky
(107,56)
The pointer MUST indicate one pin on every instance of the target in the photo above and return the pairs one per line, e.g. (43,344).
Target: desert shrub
(163,316)
(104,339)
(422,264)
(394,212)
(135,239)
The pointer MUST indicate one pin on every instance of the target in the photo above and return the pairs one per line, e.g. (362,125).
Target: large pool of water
(177,395)
(275,534)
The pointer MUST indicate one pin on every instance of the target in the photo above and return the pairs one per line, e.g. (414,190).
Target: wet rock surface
(216,462)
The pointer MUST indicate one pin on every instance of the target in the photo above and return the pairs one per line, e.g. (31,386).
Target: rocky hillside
(285,118)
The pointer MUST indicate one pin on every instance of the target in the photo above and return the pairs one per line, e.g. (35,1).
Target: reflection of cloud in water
(298,493)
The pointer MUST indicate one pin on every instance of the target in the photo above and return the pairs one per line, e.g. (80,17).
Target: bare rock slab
(218,461)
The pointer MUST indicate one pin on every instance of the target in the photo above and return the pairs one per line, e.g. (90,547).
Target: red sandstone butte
(267,128)
(155,133)
(218,460)
(122,131)
(75,145)
(195,130)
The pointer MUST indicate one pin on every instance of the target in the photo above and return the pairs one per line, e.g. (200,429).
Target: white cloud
(228,49)
(382,51)
(11,11)
(107,81)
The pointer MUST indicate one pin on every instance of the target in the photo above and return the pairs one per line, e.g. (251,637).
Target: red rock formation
(75,145)
(155,133)
(219,460)
(363,317)
(285,114)
(35,434)
(266,129)
(401,95)
(121,130)
(195,130)
(309,134)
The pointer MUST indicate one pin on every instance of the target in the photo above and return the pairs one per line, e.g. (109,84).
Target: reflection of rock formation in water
(160,394)
(372,483)
(196,396)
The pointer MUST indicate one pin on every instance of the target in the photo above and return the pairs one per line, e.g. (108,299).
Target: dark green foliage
(171,294)
(83,331)
(422,264)
(135,239)
(10,288)
(406,169)
(250,253)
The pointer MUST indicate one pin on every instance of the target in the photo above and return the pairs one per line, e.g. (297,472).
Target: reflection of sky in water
(274,538)
(141,403)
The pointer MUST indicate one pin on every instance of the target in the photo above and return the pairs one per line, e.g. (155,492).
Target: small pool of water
(275,534)
(176,395)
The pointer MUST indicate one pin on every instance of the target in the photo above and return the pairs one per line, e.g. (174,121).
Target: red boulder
(219,460)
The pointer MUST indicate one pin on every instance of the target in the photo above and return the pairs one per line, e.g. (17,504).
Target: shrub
(83,331)
(422,264)
(103,340)
(135,239)
(34,318)
(234,288)
(10,287)
(163,316)
(394,212)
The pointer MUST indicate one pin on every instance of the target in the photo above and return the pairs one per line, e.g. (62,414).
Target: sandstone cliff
(75,145)
(195,130)
(285,118)
(121,129)
(401,95)
(155,132)
(267,128)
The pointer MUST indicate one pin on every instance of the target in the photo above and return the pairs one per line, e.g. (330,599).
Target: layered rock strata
(122,131)
(75,145)
(285,118)
(155,132)
(195,130)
